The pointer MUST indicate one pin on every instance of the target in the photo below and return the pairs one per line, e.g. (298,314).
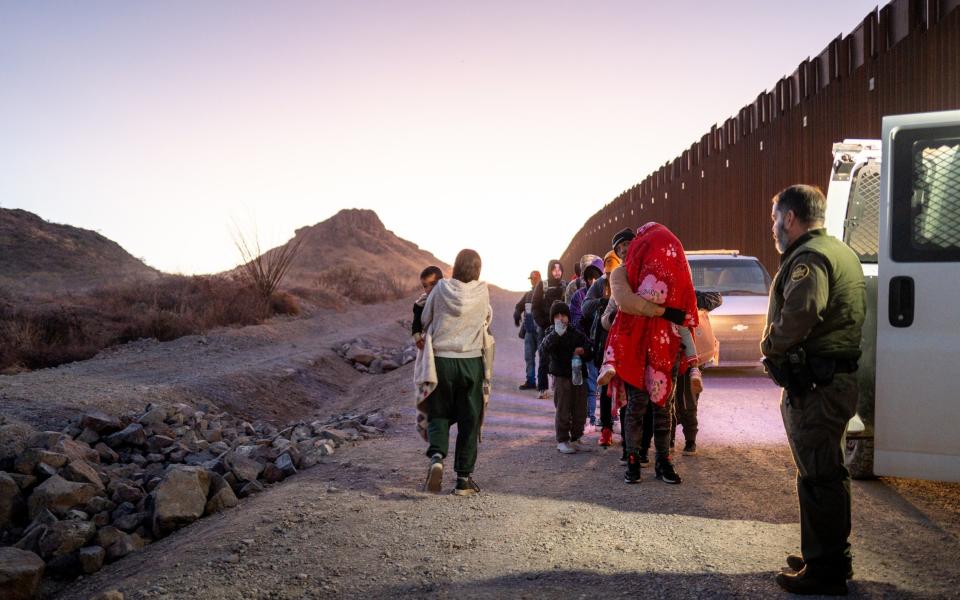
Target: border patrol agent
(811,345)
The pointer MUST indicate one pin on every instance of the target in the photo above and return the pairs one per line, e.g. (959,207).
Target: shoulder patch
(799,272)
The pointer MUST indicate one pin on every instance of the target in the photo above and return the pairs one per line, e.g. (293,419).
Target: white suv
(744,284)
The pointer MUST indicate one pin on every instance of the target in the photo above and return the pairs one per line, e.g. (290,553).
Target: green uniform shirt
(818,300)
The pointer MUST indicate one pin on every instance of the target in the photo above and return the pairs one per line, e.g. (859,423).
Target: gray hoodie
(456,315)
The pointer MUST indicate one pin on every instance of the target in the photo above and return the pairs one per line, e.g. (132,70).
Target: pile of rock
(105,486)
(367,357)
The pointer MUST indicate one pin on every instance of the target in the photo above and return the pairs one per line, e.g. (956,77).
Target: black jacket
(520,313)
(559,349)
(545,294)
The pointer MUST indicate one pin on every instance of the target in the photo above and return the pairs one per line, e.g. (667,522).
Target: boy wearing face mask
(559,346)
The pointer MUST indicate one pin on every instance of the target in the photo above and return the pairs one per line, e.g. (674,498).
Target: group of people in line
(621,334)
(566,326)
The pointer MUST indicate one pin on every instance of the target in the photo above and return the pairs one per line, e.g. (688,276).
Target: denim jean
(592,373)
(531,342)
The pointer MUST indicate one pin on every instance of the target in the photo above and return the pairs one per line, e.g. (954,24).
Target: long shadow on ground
(582,584)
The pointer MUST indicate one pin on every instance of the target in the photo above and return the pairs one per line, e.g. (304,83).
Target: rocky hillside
(39,256)
(355,244)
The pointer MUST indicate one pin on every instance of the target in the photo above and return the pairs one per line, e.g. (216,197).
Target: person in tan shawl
(453,371)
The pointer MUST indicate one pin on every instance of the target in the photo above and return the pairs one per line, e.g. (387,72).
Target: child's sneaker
(666,473)
(565,448)
(606,437)
(633,470)
(607,373)
(580,447)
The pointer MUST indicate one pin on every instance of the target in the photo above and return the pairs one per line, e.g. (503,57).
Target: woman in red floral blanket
(642,350)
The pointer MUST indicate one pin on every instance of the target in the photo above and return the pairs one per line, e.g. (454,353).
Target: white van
(899,209)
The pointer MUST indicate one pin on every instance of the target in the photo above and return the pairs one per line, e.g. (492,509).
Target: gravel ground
(546,525)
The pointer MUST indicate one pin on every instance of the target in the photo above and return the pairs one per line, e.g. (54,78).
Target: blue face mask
(559,326)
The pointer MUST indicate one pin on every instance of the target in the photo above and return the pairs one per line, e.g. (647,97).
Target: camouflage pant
(816,423)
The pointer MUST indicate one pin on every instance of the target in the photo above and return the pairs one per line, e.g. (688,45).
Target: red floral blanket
(644,349)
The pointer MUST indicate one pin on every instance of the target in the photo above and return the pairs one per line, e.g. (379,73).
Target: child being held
(560,344)
(428,279)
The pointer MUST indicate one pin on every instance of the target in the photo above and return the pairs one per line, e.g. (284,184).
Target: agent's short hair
(431,270)
(806,201)
(466,267)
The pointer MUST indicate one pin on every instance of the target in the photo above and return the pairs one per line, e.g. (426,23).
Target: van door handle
(901,301)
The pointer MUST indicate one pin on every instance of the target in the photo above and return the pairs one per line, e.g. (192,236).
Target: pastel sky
(500,126)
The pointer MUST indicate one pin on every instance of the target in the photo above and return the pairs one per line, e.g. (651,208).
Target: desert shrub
(357,285)
(265,270)
(282,303)
(42,332)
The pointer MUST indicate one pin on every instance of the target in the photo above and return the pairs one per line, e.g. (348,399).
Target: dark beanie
(559,308)
(625,235)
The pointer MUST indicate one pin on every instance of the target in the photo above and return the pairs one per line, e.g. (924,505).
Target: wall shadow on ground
(584,584)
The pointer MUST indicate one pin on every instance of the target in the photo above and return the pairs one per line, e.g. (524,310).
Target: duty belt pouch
(822,370)
(776,373)
(800,378)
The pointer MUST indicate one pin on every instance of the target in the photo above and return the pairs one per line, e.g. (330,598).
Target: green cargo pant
(816,424)
(457,399)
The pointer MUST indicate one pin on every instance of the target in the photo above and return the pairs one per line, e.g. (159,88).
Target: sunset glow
(499,126)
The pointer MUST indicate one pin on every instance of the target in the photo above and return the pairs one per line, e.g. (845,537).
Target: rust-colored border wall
(903,58)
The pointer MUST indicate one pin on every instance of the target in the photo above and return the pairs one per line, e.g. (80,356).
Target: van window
(861,229)
(926,198)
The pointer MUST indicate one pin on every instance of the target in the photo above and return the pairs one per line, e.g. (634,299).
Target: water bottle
(577,366)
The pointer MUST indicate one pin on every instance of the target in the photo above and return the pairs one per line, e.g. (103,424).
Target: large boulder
(106,453)
(80,471)
(91,559)
(13,439)
(11,502)
(101,422)
(361,355)
(131,435)
(20,574)
(243,467)
(121,544)
(158,443)
(59,495)
(75,450)
(221,495)
(179,499)
(31,458)
(63,537)
(153,416)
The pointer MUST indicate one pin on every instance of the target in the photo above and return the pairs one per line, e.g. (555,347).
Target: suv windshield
(731,277)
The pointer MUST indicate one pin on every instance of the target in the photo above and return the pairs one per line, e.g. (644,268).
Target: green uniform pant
(457,399)
(816,424)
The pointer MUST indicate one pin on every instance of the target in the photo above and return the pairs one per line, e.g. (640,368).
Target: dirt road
(546,525)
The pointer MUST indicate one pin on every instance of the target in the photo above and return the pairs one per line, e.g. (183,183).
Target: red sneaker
(606,437)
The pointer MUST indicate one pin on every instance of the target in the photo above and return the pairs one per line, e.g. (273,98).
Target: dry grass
(45,332)
(355,284)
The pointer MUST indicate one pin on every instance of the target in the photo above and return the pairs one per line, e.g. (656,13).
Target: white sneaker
(565,448)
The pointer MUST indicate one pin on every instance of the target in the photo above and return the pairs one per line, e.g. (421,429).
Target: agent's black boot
(813,584)
(796,563)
